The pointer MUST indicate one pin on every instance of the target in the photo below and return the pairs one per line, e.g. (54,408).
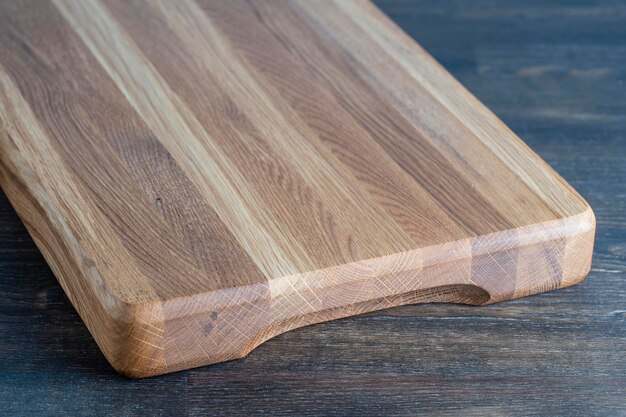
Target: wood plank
(204,175)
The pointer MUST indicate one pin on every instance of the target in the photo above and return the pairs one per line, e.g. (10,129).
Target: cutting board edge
(206,335)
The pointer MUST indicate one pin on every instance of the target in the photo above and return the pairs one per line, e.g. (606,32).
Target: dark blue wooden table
(555,71)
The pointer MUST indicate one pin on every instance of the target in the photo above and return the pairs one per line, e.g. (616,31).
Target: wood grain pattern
(204,175)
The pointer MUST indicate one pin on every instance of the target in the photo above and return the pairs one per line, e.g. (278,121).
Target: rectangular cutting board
(204,175)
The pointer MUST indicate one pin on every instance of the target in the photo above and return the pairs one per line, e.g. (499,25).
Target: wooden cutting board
(204,175)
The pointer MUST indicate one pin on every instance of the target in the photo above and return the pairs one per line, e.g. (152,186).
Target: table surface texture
(555,73)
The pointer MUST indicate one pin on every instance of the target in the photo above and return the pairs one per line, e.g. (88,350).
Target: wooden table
(555,72)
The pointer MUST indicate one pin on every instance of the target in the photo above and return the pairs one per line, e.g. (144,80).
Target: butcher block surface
(204,175)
